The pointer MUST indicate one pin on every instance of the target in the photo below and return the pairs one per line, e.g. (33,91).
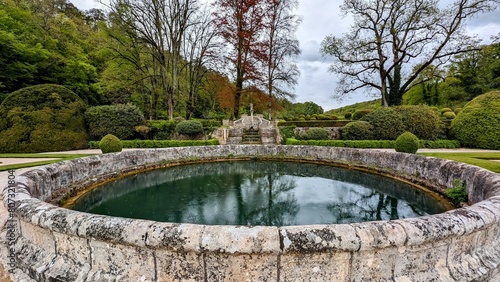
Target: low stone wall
(56,244)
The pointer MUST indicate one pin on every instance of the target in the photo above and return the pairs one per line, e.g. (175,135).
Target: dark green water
(259,193)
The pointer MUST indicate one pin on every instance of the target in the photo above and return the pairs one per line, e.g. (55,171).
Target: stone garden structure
(57,244)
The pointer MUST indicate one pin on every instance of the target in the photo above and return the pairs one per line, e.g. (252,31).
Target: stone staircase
(251,136)
(248,130)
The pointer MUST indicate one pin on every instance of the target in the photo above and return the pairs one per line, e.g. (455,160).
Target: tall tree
(282,48)
(161,24)
(478,71)
(241,23)
(199,53)
(131,68)
(48,42)
(21,50)
(390,37)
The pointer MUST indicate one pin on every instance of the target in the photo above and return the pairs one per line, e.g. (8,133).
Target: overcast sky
(321,18)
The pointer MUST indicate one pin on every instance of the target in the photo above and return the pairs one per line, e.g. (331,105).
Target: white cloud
(85,5)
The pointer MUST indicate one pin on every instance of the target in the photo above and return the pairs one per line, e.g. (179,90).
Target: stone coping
(50,182)
(484,211)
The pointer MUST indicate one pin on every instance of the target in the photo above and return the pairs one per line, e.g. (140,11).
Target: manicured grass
(60,157)
(484,160)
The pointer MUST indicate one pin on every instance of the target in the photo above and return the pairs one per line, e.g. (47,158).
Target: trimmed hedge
(387,123)
(316,134)
(42,118)
(374,144)
(449,115)
(159,143)
(189,127)
(389,144)
(478,124)
(315,123)
(358,114)
(119,120)
(357,130)
(161,129)
(421,120)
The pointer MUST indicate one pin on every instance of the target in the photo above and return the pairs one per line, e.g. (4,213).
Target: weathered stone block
(426,262)
(179,266)
(319,238)
(327,266)
(240,239)
(120,262)
(245,267)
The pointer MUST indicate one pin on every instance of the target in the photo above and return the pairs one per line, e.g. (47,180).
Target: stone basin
(57,244)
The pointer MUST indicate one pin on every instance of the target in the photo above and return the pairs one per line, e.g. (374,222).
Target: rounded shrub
(406,143)
(478,124)
(387,123)
(189,127)
(445,110)
(357,130)
(358,114)
(449,115)
(162,129)
(421,120)
(110,144)
(316,134)
(119,120)
(321,117)
(41,118)
(347,115)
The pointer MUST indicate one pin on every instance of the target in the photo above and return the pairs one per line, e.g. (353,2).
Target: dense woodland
(195,67)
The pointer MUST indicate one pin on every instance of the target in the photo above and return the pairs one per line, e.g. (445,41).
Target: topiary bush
(449,115)
(357,130)
(162,129)
(41,118)
(119,120)
(387,123)
(445,110)
(421,120)
(358,114)
(316,134)
(478,124)
(406,143)
(110,144)
(189,127)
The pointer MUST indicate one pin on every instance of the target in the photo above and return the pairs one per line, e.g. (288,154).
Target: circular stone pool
(58,244)
(267,193)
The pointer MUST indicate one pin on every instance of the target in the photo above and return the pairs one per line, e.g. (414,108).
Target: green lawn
(60,157)
(484,160)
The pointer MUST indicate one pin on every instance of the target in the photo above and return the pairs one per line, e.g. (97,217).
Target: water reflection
(259,193)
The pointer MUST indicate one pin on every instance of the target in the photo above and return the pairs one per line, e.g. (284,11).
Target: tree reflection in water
(258,193)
